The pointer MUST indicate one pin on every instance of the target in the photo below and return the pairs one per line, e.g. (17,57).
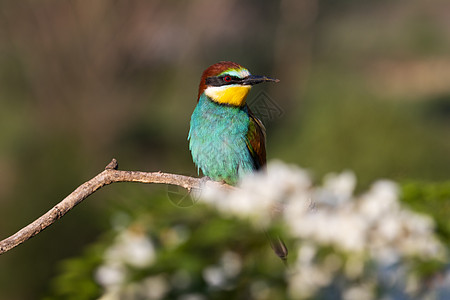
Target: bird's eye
(227,78)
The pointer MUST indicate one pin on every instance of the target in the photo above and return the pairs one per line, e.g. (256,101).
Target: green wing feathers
(256,144)
(256,141)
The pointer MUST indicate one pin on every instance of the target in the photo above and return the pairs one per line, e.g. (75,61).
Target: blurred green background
(365,85)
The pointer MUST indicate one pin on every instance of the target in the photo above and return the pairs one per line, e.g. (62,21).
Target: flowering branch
(108,176)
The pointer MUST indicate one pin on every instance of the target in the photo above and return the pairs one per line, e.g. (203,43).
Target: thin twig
(108,176)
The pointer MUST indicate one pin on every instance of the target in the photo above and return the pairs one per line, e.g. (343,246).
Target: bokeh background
(364,86)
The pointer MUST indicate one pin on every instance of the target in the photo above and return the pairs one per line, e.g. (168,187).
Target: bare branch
(108,176)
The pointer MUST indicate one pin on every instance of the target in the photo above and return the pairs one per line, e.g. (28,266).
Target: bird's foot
(204,179)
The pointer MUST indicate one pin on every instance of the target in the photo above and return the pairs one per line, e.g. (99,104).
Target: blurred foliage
(432,199)
(341,126)
(364,86)
(192,242)
(187,240)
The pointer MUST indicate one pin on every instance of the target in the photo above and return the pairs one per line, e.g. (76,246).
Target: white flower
(260,195)
(219,276)
(296,208)
(110,275)
(306,254)
(342,229)
(371,229)
(337,188)
(306,280)
(389,228)
(350,232)
(380,200)
(361,292)
(231,264)
(285,178)
(175,235)
(133,248)
(111,295)
(154,287)
(259,289)
(214,276)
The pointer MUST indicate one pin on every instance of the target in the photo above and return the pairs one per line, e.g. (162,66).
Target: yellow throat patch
(229,94)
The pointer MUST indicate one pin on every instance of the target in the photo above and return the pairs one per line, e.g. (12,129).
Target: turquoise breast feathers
(218,140)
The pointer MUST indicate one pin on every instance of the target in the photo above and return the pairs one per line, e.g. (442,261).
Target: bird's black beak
(255,79)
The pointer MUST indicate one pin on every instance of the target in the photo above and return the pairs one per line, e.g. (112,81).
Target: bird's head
(228,83)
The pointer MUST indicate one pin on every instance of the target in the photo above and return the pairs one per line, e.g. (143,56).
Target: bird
(226,140)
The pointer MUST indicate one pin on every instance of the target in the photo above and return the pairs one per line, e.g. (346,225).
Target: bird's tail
(278,247)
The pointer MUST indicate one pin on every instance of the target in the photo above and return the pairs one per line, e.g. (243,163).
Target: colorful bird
(226,140)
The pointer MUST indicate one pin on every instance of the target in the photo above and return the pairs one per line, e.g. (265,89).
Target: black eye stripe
(220,80)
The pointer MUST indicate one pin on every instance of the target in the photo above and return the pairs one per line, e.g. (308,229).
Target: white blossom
(259,195)
(214,276)
(373,227)
(130,247)
(110,275)
(337,188)
(133,248)
(220,276)
(366,241)
(154,287)
(231,264)
(359,293)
